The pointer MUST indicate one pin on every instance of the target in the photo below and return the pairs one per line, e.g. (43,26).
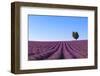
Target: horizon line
(58,41)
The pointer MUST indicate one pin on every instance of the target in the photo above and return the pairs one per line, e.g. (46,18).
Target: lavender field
(48,50)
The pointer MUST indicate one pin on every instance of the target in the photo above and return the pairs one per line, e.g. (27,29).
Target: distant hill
(43,50)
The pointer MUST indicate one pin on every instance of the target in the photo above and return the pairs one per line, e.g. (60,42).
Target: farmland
(48,50)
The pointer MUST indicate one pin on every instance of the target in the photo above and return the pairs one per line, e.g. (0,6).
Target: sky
(56,28)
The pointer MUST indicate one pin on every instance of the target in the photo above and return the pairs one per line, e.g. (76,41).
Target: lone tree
(75,35)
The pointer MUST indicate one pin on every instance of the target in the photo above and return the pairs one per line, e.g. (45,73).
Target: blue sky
(56,28)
